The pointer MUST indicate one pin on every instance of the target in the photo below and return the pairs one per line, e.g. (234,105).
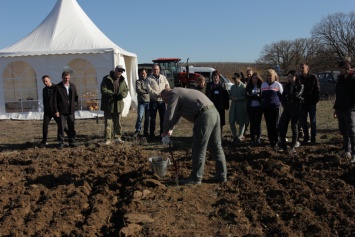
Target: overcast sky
(202,30)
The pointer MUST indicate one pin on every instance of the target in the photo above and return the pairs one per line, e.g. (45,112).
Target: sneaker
(42,144)
(108,142)
(189,182)
(280,148)
(297,144)
(60,146)
(119,141)
(258,142)
(136,134)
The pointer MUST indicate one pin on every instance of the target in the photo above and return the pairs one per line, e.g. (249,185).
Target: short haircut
(216,72)
(142,70)
(155,64)
(45,77)
(65,73)
(201,78)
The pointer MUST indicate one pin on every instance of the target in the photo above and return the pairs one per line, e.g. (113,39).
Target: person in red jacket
(65,101)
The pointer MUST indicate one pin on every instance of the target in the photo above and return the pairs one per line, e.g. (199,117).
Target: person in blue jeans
(311,96)
(143,103)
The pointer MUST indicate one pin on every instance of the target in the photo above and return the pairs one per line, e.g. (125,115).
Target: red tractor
(176,76)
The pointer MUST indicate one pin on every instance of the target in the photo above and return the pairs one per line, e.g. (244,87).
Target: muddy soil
(99,190)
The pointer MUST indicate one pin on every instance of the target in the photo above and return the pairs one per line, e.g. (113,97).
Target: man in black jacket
(48,108)
(311,96)
(65,101)
(344,107)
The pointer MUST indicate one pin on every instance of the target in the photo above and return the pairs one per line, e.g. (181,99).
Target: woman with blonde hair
(201,84)
(271,91)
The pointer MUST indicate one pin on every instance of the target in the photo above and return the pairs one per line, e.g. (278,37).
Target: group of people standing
(255,97)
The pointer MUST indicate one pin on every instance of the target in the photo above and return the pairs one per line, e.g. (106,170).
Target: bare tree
(278,53)
(289,54)
(337,33)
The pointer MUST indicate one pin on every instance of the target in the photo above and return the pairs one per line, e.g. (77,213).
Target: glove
(166,140)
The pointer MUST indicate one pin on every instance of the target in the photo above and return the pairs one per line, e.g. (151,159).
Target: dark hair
(344,64)
(155,64)
(237,75)
(142,70)
(255,74)
(215,72)
(65,73)
(45,77)
(292,72)
(295,74)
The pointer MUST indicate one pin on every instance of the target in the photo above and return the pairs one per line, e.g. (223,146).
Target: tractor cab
(169,68)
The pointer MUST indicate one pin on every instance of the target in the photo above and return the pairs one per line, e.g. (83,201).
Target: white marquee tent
(59,43)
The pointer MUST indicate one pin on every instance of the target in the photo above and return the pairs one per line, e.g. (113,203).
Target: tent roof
(66,30)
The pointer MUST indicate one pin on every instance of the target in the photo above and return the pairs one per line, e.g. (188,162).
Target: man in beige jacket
(155,84)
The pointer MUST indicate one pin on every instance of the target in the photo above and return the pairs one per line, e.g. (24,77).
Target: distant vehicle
(169,68)
(327,82)
(179,76)
(207,73)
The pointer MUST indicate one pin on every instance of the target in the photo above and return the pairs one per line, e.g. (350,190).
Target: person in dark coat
(291,100)
(113,90)
(344,107)
(216,91)
(47,94)
(255,112)
(65,101)
(311,96)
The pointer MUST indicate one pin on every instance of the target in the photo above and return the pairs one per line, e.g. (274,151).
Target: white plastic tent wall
(58,41)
